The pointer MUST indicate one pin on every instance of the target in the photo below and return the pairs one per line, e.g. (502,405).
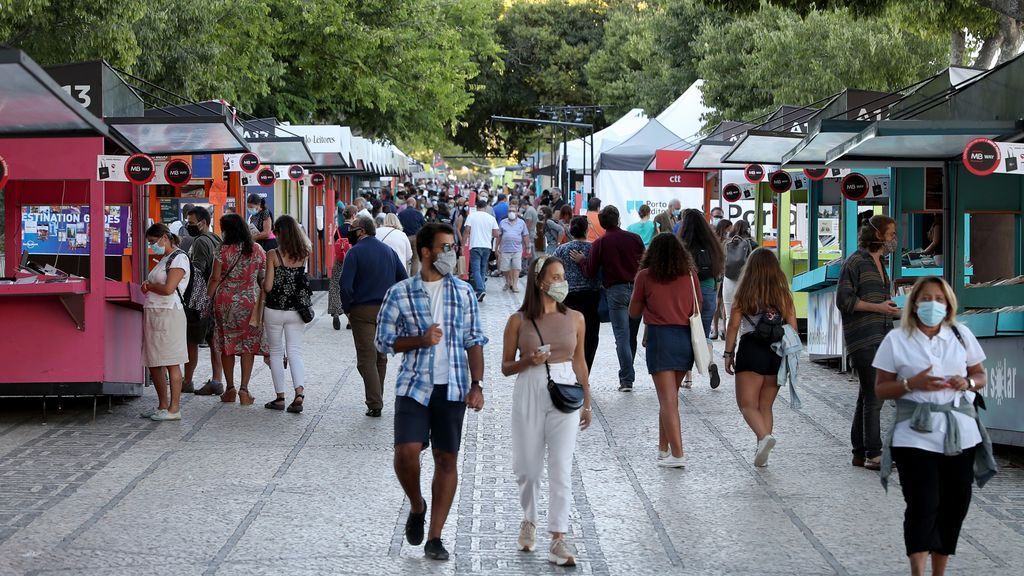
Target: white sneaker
(764,448)
(164,415)
(527,536)
(148,414)
(671,462)
(662,454)
(560,554)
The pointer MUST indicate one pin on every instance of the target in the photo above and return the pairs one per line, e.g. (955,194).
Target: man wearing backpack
(737,251)
(203,252)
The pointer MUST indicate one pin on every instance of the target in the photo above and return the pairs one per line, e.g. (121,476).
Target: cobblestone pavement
(247,491)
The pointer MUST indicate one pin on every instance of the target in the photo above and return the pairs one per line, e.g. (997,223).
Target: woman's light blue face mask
(157,248)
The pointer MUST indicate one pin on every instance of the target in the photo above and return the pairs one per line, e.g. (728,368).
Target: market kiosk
(71,312)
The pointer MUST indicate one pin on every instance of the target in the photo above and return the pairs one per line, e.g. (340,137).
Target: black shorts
(439,423)
(198,330)
(756,355)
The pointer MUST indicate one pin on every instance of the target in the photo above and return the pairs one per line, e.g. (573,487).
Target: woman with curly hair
(666,293)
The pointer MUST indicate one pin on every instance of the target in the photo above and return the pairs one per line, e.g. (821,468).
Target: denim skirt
(669,348)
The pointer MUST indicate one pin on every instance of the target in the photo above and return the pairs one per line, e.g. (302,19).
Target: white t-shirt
(436,291)
(481,225)
(398,242)
(364,213)
(158,275)
(907,355)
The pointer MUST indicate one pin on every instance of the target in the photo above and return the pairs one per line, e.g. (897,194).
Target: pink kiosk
(72,318)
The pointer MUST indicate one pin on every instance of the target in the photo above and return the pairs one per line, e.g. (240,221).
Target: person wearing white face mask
(544,343)
(932,367)
(514,236)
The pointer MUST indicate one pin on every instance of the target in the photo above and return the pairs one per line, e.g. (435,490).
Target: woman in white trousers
(548,336)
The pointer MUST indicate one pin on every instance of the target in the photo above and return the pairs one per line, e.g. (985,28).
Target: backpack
(703,261)
(737,250)
(770,328)
(195,300)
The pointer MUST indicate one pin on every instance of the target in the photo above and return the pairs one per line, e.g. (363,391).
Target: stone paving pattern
(236,490)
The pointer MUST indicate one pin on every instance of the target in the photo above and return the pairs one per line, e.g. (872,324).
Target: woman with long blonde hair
(762,306)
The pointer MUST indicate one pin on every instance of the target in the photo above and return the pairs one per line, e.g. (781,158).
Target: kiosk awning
(281,150)
(163,136)
(761,147)
(919,140)
(32,104)
(708,156)
(825,136)
(330,160)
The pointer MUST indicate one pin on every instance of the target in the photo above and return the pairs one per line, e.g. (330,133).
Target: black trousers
(937,490)
(865,431)
(585,302)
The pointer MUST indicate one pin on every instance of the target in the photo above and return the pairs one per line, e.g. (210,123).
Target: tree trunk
(989,50)
(1012,37)
(957,46)
(1013,9)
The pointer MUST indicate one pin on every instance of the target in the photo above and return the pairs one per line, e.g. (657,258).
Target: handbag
(303,303)
(567,398)
(698,341)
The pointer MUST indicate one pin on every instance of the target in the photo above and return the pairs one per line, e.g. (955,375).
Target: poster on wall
(1004,367)
(65,230)
(824,325)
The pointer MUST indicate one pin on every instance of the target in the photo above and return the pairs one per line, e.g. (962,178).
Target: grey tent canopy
(636,153)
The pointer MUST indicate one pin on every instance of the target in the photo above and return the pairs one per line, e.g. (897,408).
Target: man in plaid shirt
(434,321)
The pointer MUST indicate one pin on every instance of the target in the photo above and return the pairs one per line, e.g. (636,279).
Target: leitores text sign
(982,156)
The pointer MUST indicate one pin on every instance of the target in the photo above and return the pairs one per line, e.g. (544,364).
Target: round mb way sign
(982,157)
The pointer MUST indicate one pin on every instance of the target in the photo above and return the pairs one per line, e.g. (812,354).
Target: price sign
(317,179)
(815,174)
(982,157)
(139,169)
(177,172)
(780,181)
(732,193)
(854,186)
(754,173)
(266,177)
(249,162)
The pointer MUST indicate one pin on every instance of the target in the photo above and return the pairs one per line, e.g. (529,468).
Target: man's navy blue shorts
(439,423)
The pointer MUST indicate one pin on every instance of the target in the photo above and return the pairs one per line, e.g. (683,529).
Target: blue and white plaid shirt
(406,312)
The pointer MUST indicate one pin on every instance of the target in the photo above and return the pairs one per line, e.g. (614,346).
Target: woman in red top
(667,292)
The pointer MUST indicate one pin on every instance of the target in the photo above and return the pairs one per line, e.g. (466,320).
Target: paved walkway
(247,491)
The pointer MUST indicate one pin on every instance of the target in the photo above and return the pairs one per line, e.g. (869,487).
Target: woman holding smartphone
(932,367)
(548,336)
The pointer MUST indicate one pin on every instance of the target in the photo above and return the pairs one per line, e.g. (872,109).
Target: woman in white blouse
(391,234)
(932,367)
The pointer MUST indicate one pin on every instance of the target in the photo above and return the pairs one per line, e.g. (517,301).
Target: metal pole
(567,186)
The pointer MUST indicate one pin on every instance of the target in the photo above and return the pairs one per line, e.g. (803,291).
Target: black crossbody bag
(567,398)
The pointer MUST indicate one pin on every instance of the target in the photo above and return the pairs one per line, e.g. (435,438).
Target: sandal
(275,404)
(245,398)
(229,395)
(296,406)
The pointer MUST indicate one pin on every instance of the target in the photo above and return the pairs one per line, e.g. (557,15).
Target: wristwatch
(970,384)
(477,383)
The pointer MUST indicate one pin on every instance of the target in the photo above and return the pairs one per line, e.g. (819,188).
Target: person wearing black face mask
(203,253)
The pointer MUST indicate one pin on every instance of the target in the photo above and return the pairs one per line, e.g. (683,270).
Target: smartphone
(545,349)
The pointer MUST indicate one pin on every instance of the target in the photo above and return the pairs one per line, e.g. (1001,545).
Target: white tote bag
(701,354)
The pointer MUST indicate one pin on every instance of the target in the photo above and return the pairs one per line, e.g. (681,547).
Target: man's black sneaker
(435,550)
(414,526)
(481,297)
(337,323)
(624,387)
(373,412)
(716,380)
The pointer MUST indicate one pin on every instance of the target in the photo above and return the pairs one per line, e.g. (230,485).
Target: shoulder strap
(170,260)
(956,332)
(546,366)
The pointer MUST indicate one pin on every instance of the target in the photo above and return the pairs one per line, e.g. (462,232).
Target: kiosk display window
(64,230)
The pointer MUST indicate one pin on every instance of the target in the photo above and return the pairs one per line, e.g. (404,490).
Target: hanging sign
(317,179)
(295,172)
(249,162)
(982,156)
(854,186)
(177,172)
(754,173)
(266,177)
(780,181)
(4,173)
(732,193)
(816,174)
(139,169)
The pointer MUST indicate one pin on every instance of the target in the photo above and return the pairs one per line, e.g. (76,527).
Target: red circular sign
(139,169)
(317,179)
(295,172)
(816,174)
(754,173)
(780,181)
(854,186)
(249,162)
(982,157)
(266,177)
(177,172)
(732,193)
(4,174)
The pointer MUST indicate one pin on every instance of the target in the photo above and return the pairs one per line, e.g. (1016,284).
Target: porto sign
(982,157)
(780,181)
(754,173)
(732,193)
(139,169)
(854,186)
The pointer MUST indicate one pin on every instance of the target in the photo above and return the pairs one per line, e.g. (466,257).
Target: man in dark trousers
(371,268)
(412,220)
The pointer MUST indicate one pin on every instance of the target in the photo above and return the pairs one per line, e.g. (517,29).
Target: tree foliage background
(431,73)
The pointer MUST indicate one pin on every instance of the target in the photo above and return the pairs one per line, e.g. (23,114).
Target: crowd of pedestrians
(410,275)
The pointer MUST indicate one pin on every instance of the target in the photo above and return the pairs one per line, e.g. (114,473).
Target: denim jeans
(478,258)
(624,328)
(709,298)
(865,432)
